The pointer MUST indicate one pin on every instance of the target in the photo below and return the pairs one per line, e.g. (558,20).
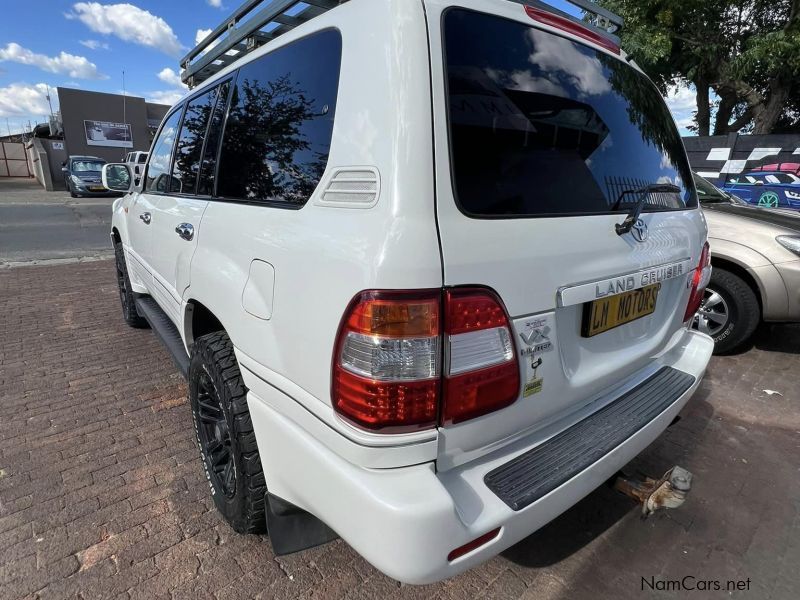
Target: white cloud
(201,35)
(129,23)
(682,103)
(561,56)
(78,67)
(94,44)
(23,100)
(169,97)
(170,77)
(215,3)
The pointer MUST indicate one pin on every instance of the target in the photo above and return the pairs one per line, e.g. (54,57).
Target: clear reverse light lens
(388,359)
(479,349)
(790,242)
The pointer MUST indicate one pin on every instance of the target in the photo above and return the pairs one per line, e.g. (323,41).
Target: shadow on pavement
(778,338)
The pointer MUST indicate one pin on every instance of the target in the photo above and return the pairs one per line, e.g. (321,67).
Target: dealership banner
(106,133)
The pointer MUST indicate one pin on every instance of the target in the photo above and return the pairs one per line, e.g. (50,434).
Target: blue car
(764,188)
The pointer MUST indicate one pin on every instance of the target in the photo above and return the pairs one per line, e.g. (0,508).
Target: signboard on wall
(106,133)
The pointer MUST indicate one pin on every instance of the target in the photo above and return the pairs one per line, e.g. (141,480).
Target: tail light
(699,281)
(387,368)
(483,374)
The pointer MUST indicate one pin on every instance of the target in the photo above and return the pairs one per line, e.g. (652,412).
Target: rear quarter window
(278,132)
(544,126)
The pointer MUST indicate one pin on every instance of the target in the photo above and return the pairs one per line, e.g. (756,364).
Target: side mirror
(759,183)
(64,170)
(117,177)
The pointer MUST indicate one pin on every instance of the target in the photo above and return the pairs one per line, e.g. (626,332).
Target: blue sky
(51,43)
(88,44)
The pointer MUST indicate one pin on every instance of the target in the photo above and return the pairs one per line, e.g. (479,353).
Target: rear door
(179,210)
(537,137)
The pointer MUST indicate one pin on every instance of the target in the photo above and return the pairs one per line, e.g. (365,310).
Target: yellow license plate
(607,313)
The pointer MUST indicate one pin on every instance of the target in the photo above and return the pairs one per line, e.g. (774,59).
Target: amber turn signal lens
(395,315)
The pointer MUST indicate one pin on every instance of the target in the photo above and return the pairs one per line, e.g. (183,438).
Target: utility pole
(124,99)
(50,104)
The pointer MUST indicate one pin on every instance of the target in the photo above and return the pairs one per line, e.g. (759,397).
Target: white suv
(429,267)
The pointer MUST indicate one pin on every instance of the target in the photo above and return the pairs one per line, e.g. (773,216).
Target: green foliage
(746,51)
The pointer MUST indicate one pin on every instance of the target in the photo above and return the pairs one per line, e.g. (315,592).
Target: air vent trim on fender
(351,187)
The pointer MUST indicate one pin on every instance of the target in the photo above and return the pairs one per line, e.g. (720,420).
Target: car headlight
(790,242)
(76,180)
(792,195)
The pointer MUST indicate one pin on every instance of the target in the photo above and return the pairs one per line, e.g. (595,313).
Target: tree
(746,51)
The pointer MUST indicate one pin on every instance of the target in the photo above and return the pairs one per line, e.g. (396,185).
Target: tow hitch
(668,492)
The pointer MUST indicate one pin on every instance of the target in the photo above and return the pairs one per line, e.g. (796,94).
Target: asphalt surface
(36,225)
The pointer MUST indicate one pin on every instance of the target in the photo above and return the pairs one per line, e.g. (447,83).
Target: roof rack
(239,35)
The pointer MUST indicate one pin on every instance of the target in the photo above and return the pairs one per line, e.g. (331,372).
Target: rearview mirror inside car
(117,177)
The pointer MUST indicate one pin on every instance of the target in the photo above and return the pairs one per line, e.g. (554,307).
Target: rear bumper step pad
(539,471)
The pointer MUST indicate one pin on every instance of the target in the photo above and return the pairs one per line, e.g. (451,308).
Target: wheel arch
(745,275)
(199,320)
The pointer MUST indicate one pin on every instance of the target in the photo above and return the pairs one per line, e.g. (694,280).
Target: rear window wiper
(636,211)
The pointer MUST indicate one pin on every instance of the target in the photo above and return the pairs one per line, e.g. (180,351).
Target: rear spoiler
(590,15)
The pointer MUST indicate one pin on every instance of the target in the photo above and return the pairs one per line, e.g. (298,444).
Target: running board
(539,471)
(165,331)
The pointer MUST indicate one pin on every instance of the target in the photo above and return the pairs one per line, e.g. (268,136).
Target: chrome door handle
(146,218)
(185,231)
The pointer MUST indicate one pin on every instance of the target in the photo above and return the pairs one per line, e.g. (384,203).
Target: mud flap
(291,529)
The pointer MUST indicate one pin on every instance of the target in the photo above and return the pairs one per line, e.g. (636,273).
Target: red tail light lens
(386,363)
(570,26)
(699,281)
(483,374)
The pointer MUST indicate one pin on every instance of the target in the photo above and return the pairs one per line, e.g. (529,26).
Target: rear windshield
(83,166)
(541,125)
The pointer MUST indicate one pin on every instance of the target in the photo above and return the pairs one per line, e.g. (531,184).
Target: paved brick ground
(102,495)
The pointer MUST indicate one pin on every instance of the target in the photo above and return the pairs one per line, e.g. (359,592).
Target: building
(107,125)
(91,124)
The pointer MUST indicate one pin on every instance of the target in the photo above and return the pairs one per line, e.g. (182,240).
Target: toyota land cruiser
(429,267)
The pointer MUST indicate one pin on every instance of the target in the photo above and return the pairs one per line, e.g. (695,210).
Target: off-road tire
(213,365)
(126,296)
(743,306)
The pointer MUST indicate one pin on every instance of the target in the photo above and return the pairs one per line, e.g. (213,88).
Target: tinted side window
(158,169)
(279,128)
(190,142)
(205,186)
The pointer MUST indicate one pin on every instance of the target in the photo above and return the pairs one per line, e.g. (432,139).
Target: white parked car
(431,281)
(137,161)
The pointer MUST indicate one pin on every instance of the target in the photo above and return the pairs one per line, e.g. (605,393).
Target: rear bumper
(406,521)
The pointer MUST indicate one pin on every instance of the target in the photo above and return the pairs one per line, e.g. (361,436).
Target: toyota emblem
(639,231)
